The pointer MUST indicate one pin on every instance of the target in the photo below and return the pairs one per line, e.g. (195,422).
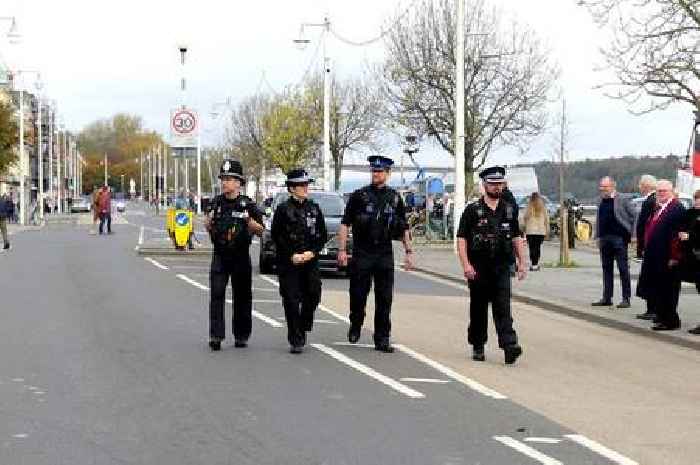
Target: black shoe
(240,343)
(214,345)
(601,303)
(353,335)
(512,353)
(647,316)
(6,247)
(663,327)
(478,354)
(624,304)
(296,349)
(386,348)
(695,330)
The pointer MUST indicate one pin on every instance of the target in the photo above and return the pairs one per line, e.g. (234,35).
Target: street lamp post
(40,153)
(302,42)
(22,161)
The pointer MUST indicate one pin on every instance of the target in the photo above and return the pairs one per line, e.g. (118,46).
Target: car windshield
(331,204)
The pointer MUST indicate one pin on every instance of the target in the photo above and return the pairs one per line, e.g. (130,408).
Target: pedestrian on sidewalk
(299,233)
(95,209)
(376,215)
(13,209)
(613,230)
(536,228)
(690,246)
(5,203)
(488,242)
(105,208)
(659,281)
(647,189)
(234,219)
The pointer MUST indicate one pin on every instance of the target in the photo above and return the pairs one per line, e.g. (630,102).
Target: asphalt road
(104,361)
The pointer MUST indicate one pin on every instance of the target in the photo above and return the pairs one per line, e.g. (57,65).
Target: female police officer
(299,233)
(232,220)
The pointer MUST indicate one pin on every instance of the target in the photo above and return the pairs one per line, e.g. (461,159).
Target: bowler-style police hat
(380,163)
(493,174)
(231,169)
(298,176)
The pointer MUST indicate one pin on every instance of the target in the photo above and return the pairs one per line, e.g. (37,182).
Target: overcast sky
(99,58)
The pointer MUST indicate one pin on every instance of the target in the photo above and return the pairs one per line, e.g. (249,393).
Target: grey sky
(100,58)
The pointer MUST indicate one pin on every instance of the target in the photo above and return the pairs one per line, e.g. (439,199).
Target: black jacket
(647,208)
(298,227)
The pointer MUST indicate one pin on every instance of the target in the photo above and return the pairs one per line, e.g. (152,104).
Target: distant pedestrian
(647,189)
(659,281)
(95,206)
(5,203)
(488,241)
(690,240)
(613,230)
(536,228)
(13,208)
(105,209)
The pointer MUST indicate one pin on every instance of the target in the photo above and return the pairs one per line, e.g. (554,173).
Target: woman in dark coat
(690,240)
(659,281)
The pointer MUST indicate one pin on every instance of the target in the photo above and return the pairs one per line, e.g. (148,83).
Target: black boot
(215,345)
(512,353)
(478,354)
(353,335)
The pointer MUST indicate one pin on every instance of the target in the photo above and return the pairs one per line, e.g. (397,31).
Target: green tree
(9,138)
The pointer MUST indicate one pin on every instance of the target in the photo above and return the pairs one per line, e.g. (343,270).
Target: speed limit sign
(184,128)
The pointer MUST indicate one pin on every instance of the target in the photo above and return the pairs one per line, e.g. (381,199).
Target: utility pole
(564,259)
(141,175)
(459,123)
(199,175)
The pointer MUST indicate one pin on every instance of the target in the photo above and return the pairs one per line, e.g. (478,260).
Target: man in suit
(614,226)
(659,281)
(647,189)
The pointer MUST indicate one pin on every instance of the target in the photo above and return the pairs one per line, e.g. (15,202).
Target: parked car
(332,205)
(119,202)
(81,205)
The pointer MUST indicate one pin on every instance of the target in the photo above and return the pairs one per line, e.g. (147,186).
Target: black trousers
(239,270)
(493,288)
(663,300)
(300,289)
(106,217)
(614,249)
(534,245)
(365,269)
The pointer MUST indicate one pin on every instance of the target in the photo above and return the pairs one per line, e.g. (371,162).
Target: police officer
(231,222)
(299,233)
(377,216)
(488,242)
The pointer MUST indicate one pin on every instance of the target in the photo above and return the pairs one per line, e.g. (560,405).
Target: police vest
(492,238)
(378,219)
(229,231)
(302,225)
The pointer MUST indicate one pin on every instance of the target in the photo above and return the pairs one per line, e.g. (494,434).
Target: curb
(581,315)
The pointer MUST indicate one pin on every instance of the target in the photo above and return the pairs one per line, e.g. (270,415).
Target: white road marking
(39,393)
(141,235)
(155,263)
(334,314)
(270,321)
(364,369)
(425,380)
(527,450)
(193,282)
(264,301)
(470,383)
(543,440)
(601,449)
(20,436)
(349,344)
(18,380)
(270,280)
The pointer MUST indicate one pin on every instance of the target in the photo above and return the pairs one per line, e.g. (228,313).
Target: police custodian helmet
(298,176)
(493,174)
(231,169)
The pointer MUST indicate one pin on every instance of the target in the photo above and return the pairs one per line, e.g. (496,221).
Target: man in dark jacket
(5,203)
(659,280)
(647,189)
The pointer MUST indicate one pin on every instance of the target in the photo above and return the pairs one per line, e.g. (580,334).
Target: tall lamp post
(302,42)
(40,151)
(22,161)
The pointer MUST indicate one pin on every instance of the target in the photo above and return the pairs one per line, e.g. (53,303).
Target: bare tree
(654,50)
(508,76)
(355,117)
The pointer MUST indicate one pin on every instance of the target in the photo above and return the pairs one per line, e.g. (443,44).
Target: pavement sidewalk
(570,291)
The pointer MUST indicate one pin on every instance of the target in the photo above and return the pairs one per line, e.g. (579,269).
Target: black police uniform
(297,227)
(231,259)
(489,235)
(377,216)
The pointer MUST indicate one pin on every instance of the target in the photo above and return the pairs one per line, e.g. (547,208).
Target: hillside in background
(581,177)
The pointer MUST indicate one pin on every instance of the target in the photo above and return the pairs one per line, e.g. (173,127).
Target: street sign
(184,128)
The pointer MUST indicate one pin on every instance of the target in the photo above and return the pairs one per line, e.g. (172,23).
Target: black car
(332,205)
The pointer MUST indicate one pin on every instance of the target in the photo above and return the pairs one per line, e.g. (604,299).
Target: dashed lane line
(527,450)
(424,380)
(364,369)
(543,440)
(156,264)
(600,449)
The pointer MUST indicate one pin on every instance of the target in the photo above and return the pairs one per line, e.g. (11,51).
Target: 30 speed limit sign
(184,128)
